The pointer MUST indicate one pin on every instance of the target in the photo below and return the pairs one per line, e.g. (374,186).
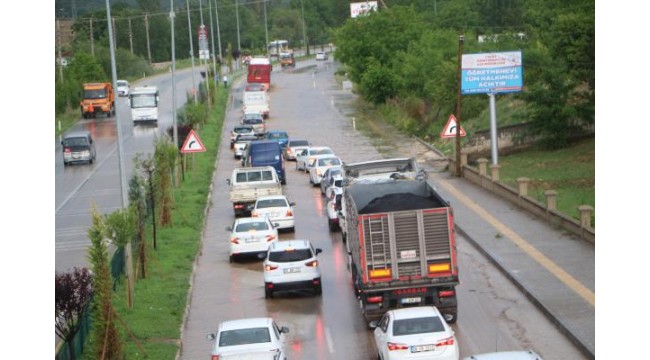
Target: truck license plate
(412,300)
(291,270)
(420,348)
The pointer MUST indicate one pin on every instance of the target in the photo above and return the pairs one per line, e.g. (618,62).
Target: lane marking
(547,263)
(328,337)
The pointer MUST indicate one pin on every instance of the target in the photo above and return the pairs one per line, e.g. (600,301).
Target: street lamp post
(189,30)
(461,39)
(304,32)
(171,16)
(238,38)
(266,28)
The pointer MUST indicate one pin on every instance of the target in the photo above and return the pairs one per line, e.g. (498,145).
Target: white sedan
(319,164)
(303,157)
(244,336)
(415,333)
(277,208)
(251,236)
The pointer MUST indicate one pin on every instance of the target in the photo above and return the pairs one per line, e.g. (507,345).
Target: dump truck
(287,59)
(259,72)
(401,246)
(97,98)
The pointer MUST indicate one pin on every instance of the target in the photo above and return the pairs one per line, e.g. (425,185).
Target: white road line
(328,337)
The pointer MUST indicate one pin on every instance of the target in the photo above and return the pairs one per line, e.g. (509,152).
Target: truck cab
(97,98)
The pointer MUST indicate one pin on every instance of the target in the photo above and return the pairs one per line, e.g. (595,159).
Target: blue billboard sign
(491,73)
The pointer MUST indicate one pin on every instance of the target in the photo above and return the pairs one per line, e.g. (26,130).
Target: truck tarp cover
(371,198)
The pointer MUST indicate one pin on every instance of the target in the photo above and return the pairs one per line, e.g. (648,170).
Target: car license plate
(251,240)
(412,300)
(291,270)
(421,348)
(76,155)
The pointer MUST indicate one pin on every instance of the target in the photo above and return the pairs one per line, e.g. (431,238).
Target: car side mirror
(276,225)
(261,256)
(373,324)
(284,330)
(318,251)
(228,181)
(292,204)
(211,336)
(228,228)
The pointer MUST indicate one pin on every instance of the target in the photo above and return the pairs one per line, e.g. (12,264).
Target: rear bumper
(294,285)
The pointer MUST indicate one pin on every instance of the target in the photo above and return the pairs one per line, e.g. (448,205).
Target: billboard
(362,8)
(491,73)
(204,49)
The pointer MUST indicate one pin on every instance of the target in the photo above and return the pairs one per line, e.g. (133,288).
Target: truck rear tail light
(380,273)
(234,240)
(446,293)
(375,299)
(447,341)
(394,346)
(270,237)
(439,268)
(214,357)
(270,267)
(312,263)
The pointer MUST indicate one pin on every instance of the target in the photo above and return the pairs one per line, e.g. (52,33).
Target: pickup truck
(247,184)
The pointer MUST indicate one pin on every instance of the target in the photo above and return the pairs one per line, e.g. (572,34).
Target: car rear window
(298,143)
(244,337)
(253,121)
(290,255)
(417,326)
(79,141)
(265,175)
(261,204)
(258,226)
(321,152)
(329,162)
(338,183)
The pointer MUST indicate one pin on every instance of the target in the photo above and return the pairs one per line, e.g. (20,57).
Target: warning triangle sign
(192,144)
(450,129)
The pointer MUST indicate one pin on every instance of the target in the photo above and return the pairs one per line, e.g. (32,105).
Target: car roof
(245,220)
(506,355)
(245,323)
(290,244)
(414,312)
(296,140)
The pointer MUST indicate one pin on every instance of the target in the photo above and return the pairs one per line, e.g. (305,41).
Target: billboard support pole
(461,39)
(493,129)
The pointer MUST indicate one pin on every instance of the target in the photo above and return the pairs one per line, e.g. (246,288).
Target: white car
(246,336)
(303,157)
(333,207)
(277,208)
(292,265)
(415,333)
(319,164)
(321,55)
(123,88)
(240,129)
(256,121)
(251,236)
(335,188)
(506,355)
(241,144)
(329,177)
(293,147)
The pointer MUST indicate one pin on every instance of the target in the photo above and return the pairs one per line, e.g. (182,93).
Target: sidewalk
(555,269)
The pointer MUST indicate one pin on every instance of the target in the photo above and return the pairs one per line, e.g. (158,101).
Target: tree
(105,341)
(137,202)
(165,156)
(72,294)
(119,227)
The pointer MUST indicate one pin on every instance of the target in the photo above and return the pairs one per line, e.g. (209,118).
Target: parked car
(321,55)
(293,147)
(329,177)
(506,355)
(78,146)
(123,88)
(256,121)
(303,157)
(292,265)
(243,336)
(242,143)
(282,137)
(240,130)
(251,236)
(414,332)
(319,164)
(333,207)
(277,208)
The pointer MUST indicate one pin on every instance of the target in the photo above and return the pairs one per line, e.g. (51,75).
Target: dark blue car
(278,135)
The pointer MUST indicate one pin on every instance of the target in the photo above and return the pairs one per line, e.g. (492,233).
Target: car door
(381,335)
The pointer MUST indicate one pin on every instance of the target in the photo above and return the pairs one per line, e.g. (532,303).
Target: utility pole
(146,25)
(461,39)
(92,42)
(214,55)
(304,32)
(266,27)
(130,36)
(205,63)
(171,16)
(216,14)
(58,32)
(238,39)
(189,29)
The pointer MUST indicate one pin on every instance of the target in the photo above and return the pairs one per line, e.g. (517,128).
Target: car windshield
(261,204)
(121,83)
(417,326)
(278,136)
(257,226)
(244,337)
(290,255)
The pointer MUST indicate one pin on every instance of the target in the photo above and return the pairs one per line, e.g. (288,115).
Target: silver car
(305,156)
(78,147)
(293,147)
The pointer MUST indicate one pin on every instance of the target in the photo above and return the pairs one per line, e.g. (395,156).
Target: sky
(621,182)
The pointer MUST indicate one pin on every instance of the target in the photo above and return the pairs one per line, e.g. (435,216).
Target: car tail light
(289,213)
(270,237)
(270,267)
(446,293)
(254,214)
(395,346)
(380,273)
(234,240)
(67,150)
(313,263)
(375,299)
(214,357)
(447,341)
(439,268)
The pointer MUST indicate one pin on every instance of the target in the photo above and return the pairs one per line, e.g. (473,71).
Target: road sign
(450,129)
(192,144)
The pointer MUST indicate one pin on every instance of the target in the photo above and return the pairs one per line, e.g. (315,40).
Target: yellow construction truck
(97,98)
(287,59)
